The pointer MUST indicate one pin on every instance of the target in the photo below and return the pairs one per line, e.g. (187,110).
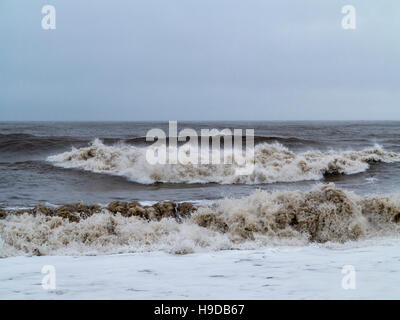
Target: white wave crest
(272,163)
(325,214)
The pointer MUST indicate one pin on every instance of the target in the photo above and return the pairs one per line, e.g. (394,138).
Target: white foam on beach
(311,272)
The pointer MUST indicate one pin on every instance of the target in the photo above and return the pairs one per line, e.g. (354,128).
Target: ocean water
(329,189)
(28,177)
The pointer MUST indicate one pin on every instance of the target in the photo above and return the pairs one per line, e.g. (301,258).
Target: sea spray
(324,214)
(272,163)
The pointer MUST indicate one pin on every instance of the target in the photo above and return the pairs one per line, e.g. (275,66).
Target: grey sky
(199,60)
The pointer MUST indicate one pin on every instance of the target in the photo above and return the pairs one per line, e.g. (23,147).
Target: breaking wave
(273,163)
(324,214)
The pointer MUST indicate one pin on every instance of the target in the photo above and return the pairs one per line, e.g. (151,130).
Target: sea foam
(272,163)
(324,214)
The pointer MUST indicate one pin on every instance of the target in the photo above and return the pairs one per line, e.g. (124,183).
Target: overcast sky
(199,60)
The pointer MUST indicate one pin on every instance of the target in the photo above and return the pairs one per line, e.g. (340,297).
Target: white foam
(321,215)
(273,163)
(312,272)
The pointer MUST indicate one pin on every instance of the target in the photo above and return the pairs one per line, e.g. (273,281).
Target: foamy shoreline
(310,272)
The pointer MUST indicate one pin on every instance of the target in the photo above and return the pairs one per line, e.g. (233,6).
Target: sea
(323,196)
